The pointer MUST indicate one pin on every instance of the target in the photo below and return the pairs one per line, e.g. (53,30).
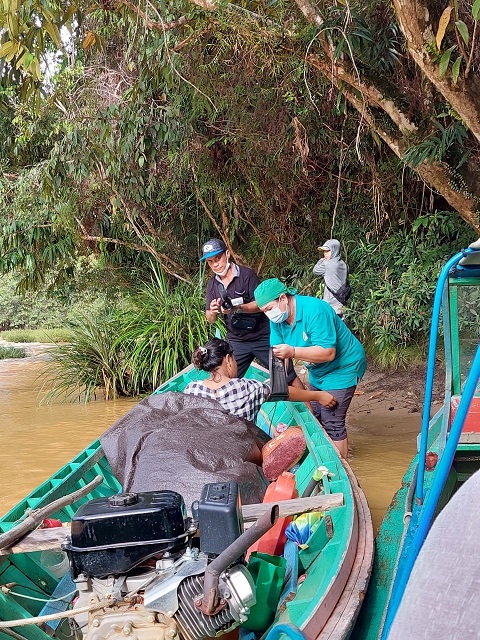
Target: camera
(227,303)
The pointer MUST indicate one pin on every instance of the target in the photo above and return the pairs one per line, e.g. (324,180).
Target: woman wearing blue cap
(308,328)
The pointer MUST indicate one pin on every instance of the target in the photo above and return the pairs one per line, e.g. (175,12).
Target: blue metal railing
(428,511)
(432,350)
(420,524)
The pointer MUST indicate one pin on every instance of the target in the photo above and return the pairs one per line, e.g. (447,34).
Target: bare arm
(304,395)
(249,307)
(308,354)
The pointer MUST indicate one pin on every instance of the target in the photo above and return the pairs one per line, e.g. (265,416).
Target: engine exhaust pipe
(209,604)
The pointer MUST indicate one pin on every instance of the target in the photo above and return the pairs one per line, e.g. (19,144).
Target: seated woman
(241,397)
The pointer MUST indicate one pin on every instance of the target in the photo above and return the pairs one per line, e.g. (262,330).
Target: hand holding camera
(227,303)
(216,305)
(222,305)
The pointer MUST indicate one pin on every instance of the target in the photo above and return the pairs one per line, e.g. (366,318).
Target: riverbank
(384,421)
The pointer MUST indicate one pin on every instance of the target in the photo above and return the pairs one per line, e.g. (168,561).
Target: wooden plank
(252,512)
(39,540)
(470,438)
(43,539)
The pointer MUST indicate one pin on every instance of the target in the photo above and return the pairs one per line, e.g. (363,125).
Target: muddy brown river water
(37,438)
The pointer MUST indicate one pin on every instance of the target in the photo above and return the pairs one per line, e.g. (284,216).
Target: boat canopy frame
(452,276)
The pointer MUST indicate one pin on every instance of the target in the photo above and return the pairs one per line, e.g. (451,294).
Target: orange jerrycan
(273,541)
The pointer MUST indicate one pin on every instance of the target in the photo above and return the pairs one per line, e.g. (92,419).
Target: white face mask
(224,272)
(276,315)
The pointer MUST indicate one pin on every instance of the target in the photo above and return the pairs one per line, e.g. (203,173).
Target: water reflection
(37,439)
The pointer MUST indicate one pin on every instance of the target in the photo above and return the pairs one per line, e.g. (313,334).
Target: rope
(6,624)
(23,595)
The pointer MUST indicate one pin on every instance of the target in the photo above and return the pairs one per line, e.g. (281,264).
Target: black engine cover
(110,536)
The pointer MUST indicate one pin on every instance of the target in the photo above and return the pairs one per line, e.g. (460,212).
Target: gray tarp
(181,442)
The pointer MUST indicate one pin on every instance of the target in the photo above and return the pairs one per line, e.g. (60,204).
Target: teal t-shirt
(317,325)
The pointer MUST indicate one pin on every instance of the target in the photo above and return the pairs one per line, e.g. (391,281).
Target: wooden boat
(448,445)
(336,562)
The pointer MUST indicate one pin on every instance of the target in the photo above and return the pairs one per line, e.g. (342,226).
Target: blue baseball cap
(212,247)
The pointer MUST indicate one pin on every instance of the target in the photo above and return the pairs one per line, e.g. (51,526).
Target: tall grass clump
(44,336)
(12,352)
(161,330)
(92,359)
(133,350)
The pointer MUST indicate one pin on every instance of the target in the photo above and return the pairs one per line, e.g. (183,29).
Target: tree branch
(435,174)
(310,13)
(413,19)
(151,24)
(221,232)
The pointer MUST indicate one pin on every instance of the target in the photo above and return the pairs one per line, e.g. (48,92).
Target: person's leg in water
(333,420)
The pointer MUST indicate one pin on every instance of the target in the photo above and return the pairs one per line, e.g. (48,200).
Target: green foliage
(45,336)
(160,331)
(31,310)
(92,359)
(131,351)
(438,144)
(445,60)
(11,352)
(393,283)
(33,240)
(30,34)
(396,312)
(47,310)
(465,22)
(376,47)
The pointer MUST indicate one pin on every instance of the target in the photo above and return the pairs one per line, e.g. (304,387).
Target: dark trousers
(333,419)
(245,351)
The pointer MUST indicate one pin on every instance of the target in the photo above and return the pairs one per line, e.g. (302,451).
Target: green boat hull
(400,532)
(337,562)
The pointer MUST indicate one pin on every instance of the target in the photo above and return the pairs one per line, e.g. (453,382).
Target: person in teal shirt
(309,329)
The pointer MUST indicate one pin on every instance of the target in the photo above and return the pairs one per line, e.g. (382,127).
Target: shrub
(11,352)
(131,351)
(90,360)
(161,330)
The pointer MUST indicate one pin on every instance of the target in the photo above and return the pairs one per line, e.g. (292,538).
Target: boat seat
(472,437)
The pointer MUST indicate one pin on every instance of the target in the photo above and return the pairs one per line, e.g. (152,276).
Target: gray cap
(212,247)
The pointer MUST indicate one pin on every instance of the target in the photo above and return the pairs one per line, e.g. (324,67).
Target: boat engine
(141,574)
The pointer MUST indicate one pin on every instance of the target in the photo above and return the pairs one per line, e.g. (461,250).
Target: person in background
(309,329)
(230,293)
(334,272)
(241,397)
